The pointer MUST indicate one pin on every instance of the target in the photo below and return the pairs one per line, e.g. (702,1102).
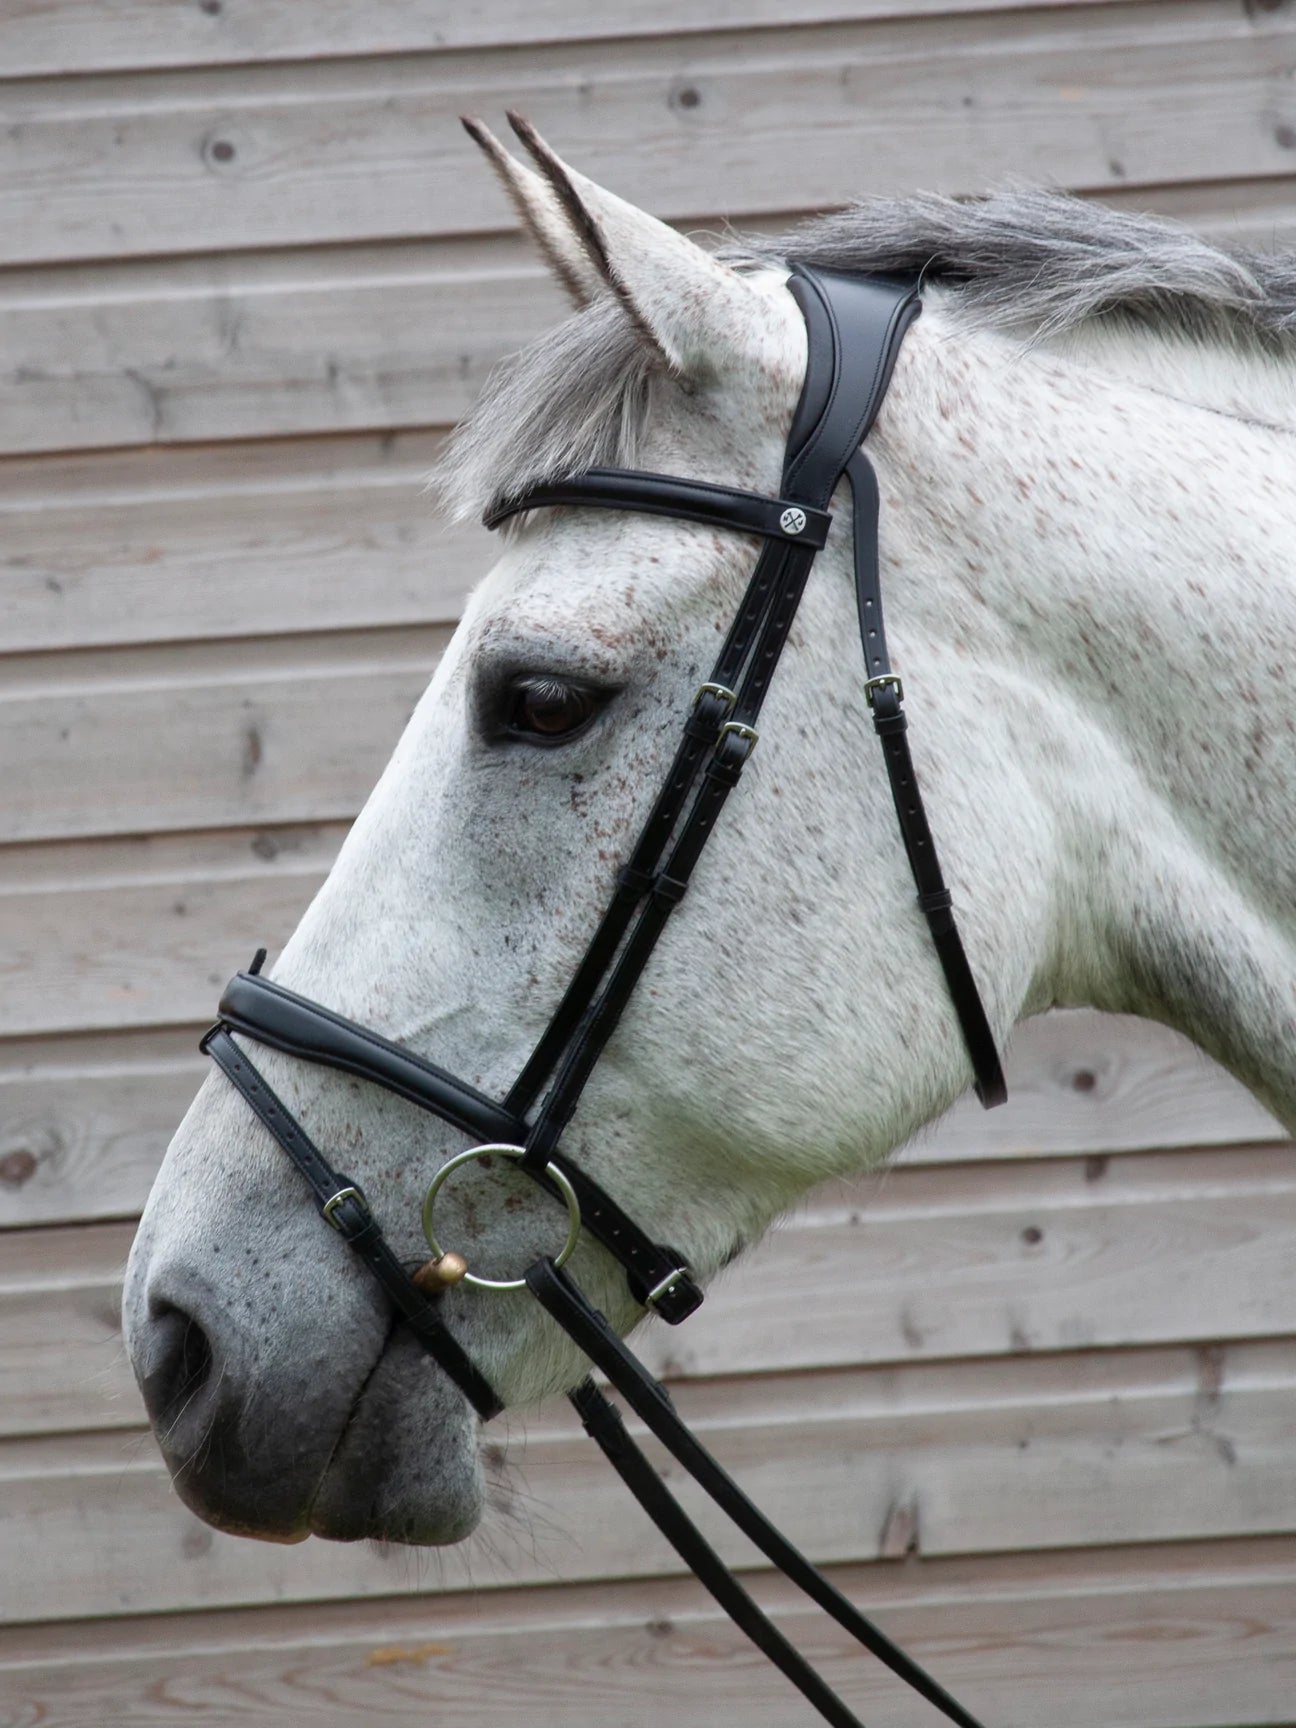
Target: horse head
(792,1022)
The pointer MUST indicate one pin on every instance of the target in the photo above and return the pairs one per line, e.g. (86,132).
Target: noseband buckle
(329,1209)
(668,1284)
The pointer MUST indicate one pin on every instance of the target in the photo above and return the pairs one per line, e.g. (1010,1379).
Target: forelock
(1023,258)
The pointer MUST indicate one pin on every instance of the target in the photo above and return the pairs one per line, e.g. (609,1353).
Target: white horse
(1088,526)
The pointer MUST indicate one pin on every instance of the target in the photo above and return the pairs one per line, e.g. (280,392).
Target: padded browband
(665,495)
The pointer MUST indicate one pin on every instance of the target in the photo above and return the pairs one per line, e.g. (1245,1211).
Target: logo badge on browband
(793,521)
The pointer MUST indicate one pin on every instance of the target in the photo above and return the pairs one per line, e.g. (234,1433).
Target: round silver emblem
(792,521)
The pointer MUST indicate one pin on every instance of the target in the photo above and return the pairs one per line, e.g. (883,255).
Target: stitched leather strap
(343,1205)
(890,724)
(587,1327)
(667,886)
(712,708)
(273,1015)
(602,1422)
(855,326)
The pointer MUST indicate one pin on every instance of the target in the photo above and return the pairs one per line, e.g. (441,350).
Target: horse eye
(550,711)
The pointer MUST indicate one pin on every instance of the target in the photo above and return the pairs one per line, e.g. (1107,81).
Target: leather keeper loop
(727,773)
(669,890)
(635,881)
(887,724)
(937,900)
(702,727)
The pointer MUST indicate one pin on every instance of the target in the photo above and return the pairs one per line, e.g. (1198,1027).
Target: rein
(855,326)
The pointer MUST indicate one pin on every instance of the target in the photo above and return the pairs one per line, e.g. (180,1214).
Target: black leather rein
(855,326)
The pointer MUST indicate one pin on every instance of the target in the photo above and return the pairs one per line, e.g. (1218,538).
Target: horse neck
(1116,564)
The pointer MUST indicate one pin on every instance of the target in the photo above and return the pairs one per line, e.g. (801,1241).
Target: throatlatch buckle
(871,685)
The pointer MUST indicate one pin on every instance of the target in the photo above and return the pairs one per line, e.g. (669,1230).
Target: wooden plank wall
(1031,1396)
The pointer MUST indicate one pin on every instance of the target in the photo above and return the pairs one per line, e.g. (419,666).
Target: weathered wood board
(1195,1635)
(1031,1394)
(922,1264)
(169,545)
(270,344)
(248,156)
(1044,1452)
(62,36)
(237,734)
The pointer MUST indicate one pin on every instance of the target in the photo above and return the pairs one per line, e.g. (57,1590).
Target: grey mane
(1025,259)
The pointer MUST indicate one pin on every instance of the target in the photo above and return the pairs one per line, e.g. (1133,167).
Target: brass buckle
(330,1206)
(880,682)
(736,729)
(727,696)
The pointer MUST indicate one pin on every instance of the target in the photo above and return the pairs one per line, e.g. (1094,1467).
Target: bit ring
(552,1171)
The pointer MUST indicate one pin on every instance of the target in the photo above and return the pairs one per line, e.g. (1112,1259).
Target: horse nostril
(180,1363)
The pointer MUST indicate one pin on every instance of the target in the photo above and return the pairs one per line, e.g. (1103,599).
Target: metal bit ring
(559,1181)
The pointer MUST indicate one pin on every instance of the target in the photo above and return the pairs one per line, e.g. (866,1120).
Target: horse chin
(406,1468)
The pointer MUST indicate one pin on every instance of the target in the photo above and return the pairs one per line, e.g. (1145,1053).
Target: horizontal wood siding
(943,1263)
(1030,1395)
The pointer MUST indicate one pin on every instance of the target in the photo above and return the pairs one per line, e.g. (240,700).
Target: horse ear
(690,307)
(542,216)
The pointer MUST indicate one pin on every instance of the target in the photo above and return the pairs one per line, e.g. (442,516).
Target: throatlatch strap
(650,1401)
(886,699)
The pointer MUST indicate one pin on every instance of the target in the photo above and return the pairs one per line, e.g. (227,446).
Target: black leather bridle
(855,326)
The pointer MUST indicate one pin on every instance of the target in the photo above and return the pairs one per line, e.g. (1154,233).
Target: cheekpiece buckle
(872,685)
(329,1209)
(726,695)
(736,729)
